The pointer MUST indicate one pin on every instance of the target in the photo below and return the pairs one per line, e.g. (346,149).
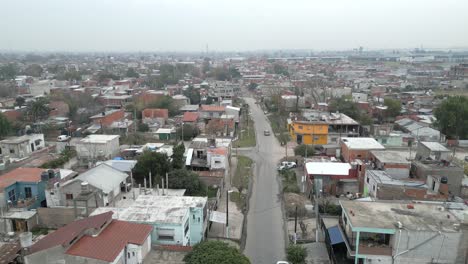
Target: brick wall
(56,217)
(109,119)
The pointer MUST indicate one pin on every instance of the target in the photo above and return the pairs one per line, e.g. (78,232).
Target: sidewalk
(236,218)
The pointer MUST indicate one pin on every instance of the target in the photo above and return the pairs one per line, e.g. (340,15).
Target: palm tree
(38,109)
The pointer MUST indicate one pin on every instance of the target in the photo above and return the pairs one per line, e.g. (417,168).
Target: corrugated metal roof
(335,235)
(103,177)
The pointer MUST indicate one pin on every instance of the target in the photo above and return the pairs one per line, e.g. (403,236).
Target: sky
(226,25)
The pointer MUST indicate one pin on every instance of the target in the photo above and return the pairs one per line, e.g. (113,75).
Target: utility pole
(227,213)
(295,227)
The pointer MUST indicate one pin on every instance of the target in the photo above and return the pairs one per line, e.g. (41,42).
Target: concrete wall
(197,225)
(454,174)
(53,255)
(56,217)
(74,188)
(37,190)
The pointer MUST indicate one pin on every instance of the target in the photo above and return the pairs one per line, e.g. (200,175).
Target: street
(265,242)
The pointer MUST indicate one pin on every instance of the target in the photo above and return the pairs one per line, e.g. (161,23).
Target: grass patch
(241,180)
(289,180)
(247,134)
(279,126)
(211,192)
(37,231)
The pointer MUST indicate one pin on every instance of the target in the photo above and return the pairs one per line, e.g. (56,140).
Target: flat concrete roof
(98,138)
(384,178)
(386,156)
(327,168)
(385,215)
(156,209)
(362,143)
(435,146)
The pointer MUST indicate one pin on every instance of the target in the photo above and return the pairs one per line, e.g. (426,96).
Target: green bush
(301,150)
(296,254)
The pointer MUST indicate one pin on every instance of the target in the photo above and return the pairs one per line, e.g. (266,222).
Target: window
(12,151)
(27,192)
(217,161)
(133,253)
(300,127)
(37,142)
(69,196)
(166,234)
(373,187)
(12,195)
(128,254)
(367,180)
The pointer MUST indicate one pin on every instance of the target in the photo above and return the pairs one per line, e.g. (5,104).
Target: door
(132,255)
(32,147)
(19,225)
(299,139)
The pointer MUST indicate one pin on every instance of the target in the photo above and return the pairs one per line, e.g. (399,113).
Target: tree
(252,86)
(34,70)
(188,180)
(346,106)
(20,101)
(132,73)
(393,108)
(38,109)
(5,126)
(301,150)
(142,127)
(8,72)
(452,117)
(215,252)
(193,94)
(296,254)
(156,163)
(190,132)
(165,102)
(178,161)
(280,69)
(7,88)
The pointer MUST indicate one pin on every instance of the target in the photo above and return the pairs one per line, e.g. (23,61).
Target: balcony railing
(24,203)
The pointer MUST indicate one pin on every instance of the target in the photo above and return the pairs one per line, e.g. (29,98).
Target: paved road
(265,226)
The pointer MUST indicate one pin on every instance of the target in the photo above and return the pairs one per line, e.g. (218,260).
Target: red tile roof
(213,108)
(64,235)
(111,241)
(217,151)
(20,175)
(155,113)
(190,117)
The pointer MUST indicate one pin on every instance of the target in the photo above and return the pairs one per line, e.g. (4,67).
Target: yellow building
(304,132)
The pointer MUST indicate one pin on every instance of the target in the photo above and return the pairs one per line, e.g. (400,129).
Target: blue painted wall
(37,189)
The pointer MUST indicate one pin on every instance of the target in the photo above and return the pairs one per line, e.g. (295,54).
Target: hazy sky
(189,25)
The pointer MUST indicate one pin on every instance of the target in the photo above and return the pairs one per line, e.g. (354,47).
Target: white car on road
(286,165)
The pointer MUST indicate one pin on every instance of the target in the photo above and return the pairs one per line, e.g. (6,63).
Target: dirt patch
(291,200)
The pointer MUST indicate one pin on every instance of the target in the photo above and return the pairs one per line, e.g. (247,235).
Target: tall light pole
(227,212)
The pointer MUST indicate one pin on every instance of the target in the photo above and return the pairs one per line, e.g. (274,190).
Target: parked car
(282,262)
(62,138)
(286,165)
(266,132)
(466,158)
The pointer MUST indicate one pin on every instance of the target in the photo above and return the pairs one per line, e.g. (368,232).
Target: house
(211,111)
(24,187)
(96,147)
(402,232)
(104,181)
(176,220)
(383,186)
(234,112)
(20,190)
(21,147)
(107,118)
(180,100)
(120,164)
(189,108)
(393,162)
(59,108)
(432,151)
(217,158)
(221,127)
(358,148)
(331,178)
(305,132)
(96,239)
(190,118)
(155,113)
(166,133)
